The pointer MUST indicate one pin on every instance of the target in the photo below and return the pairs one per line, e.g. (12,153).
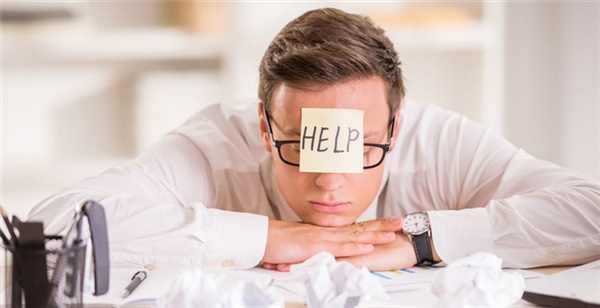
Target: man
(214,192)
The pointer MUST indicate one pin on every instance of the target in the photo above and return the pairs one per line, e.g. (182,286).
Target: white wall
(532,74)
(552,82)
(579,82)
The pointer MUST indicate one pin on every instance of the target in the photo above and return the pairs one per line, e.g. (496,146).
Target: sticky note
(331,140)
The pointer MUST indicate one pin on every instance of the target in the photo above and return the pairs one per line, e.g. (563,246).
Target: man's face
(328,199)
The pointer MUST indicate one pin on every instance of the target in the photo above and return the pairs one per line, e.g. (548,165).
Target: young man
(217,191)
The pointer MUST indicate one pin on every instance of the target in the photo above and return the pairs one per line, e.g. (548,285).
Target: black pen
(14,240)
(5,239)
(135,281)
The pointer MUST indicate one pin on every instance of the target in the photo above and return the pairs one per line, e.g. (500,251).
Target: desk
(407,299)
(424,298)
(417,298)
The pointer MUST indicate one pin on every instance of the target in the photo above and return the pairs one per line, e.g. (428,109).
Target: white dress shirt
(204,193)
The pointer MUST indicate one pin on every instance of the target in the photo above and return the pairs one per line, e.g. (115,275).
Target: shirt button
(149,267)
(551,256)
(227,263)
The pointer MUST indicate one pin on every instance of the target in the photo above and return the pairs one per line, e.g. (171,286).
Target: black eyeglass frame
(278,143)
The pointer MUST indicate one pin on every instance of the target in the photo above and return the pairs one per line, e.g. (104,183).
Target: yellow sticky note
(331,140)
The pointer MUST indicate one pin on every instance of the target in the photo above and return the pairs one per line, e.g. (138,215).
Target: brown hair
(328,46)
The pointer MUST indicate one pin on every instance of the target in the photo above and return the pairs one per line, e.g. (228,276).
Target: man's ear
(395,128)
(263,128)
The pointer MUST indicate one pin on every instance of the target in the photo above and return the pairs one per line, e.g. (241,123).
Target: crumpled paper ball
(196,288)
(477,280)
(337,284)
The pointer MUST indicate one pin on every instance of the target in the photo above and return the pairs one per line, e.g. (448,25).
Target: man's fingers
(378,231)
(374,232)
(346,249)
(284,267)
(359,226)
(290,242)
(390,224)
(369,237)
(270,266)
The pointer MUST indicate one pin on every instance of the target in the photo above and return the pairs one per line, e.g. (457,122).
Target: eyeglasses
(289,150)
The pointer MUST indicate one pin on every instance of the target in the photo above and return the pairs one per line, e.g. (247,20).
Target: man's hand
(396,255)
(292,242)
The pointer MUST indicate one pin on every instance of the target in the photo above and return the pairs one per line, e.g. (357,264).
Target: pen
(4,239)
(135,281)
(14,241)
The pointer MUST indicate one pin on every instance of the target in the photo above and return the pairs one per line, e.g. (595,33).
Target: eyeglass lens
(372,155)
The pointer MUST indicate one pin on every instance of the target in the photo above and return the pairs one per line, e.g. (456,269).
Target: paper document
(154,287)
(158,282)
(397,283)
(421,277)
(414,278)
(418,278)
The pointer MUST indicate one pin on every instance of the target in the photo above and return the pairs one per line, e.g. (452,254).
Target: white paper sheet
(155,286)
(401,285)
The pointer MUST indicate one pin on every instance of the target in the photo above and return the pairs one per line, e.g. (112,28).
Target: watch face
(416,223)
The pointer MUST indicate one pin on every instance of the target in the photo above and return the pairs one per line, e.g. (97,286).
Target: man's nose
(329,181)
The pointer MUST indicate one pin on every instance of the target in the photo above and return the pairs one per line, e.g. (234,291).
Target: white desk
(416,298)
(420,298)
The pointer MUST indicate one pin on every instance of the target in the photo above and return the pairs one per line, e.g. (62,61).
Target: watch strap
(423,251)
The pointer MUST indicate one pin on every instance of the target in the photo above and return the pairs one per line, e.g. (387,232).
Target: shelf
(122,46)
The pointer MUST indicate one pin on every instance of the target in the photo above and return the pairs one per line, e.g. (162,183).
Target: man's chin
(330,221)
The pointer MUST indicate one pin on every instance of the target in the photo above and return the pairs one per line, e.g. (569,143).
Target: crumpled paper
(477,280)
(197,288)
(337,284)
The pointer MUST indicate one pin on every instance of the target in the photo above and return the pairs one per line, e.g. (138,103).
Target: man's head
(328,59)
(329,46)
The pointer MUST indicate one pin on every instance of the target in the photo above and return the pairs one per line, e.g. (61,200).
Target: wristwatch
(416,227)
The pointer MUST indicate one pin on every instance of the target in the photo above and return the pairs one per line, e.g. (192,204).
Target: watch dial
(416,223)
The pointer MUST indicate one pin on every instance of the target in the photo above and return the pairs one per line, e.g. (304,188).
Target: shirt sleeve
(500,199)
(157,212)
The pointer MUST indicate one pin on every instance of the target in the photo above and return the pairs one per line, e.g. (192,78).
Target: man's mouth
(330,207)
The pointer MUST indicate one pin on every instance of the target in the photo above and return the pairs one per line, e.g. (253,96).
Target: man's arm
(484,194)
(528,211)
(157,213)
(539,214)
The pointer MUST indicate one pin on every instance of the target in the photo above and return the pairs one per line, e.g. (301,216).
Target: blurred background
(88,84)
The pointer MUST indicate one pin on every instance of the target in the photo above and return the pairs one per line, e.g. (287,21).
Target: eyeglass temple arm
(392,130)
(268,124)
